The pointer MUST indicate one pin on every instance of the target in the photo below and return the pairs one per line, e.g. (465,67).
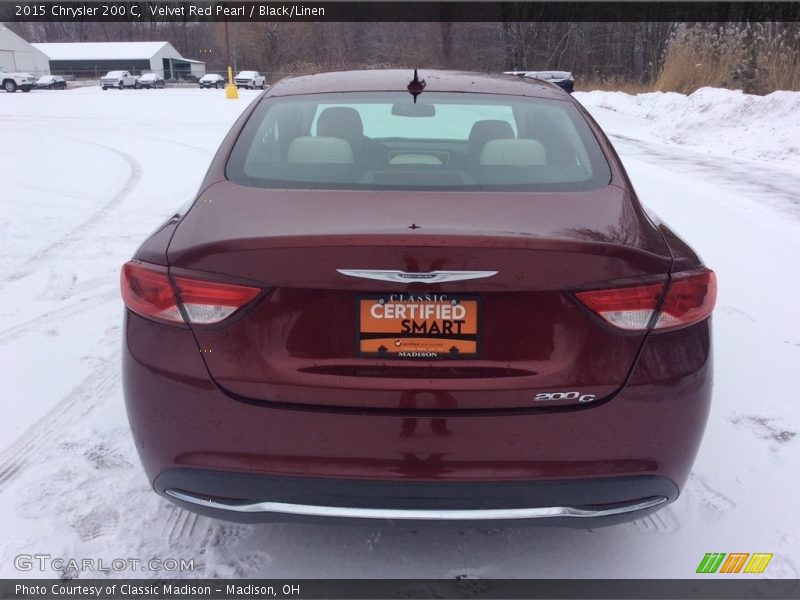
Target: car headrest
(513,153)
(319,150)
(483,131)
(341,122)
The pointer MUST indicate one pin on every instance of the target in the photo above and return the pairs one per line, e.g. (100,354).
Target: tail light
(148,291)
(689,298)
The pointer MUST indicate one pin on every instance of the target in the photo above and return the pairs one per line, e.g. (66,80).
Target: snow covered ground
(85,175)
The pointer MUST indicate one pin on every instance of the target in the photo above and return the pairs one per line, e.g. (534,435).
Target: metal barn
(18,55)
(93,59)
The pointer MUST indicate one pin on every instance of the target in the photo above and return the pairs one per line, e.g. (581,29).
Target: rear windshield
(445,141)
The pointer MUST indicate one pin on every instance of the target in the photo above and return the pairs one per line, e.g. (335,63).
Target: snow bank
(719,120)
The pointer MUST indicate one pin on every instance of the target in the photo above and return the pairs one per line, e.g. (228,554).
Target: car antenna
(416,86)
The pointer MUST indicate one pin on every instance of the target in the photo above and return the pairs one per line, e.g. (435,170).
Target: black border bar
(708,587)
(412,11)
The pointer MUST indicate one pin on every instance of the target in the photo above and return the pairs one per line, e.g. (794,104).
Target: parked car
(151,80)
(212,80)
(563,79)
(13,81)
(399,300)
(119,80)
(51,82)
(250,80)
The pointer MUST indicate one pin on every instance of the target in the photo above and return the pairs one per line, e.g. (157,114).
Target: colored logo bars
(735,562)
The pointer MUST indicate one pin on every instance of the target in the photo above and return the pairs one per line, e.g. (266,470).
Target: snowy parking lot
(86,175)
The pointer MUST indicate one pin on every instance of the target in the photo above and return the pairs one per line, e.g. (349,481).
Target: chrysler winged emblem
(406,277)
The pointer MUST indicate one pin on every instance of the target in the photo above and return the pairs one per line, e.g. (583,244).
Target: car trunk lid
(525,342)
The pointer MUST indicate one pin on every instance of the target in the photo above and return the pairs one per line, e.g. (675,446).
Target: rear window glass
(450,141)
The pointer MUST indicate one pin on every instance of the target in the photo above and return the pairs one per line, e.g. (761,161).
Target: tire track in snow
(713,503)
(200,149)
(57,316)
(762,182)
(187,528)
(133,123)
(188,531)
(76,234)
(89,393)
(230,549)
(661,522)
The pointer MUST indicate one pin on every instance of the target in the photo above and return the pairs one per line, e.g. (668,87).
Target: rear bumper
(249,498)
(194,438)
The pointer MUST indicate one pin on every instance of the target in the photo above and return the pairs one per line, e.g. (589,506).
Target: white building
(93,59)
(18,55)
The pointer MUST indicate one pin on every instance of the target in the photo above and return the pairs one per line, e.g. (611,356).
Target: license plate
(418,326)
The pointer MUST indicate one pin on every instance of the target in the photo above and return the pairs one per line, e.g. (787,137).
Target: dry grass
(758,58)
(783,71)
(685,70)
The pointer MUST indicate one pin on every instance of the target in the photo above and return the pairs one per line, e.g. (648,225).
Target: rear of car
(211,81)
(563,79)
(151,81)
(51,82)
(449,307)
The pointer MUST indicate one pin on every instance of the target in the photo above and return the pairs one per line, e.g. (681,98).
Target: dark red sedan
(429,297)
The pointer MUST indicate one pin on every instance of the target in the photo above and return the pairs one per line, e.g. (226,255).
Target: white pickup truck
(119,80)
(250,79)
(12,81)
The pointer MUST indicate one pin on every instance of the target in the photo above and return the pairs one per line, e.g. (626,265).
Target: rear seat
(504,153)
(319,150)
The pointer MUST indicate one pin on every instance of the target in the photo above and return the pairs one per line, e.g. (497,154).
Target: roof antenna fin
(416,86)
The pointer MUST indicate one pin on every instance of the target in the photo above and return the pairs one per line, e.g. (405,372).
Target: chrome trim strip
(410,277)
(421,514)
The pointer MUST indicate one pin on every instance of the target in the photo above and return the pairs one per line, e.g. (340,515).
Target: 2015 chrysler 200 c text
(434,298)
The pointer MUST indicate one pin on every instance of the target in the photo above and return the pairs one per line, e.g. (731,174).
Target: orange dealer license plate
(418,326)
